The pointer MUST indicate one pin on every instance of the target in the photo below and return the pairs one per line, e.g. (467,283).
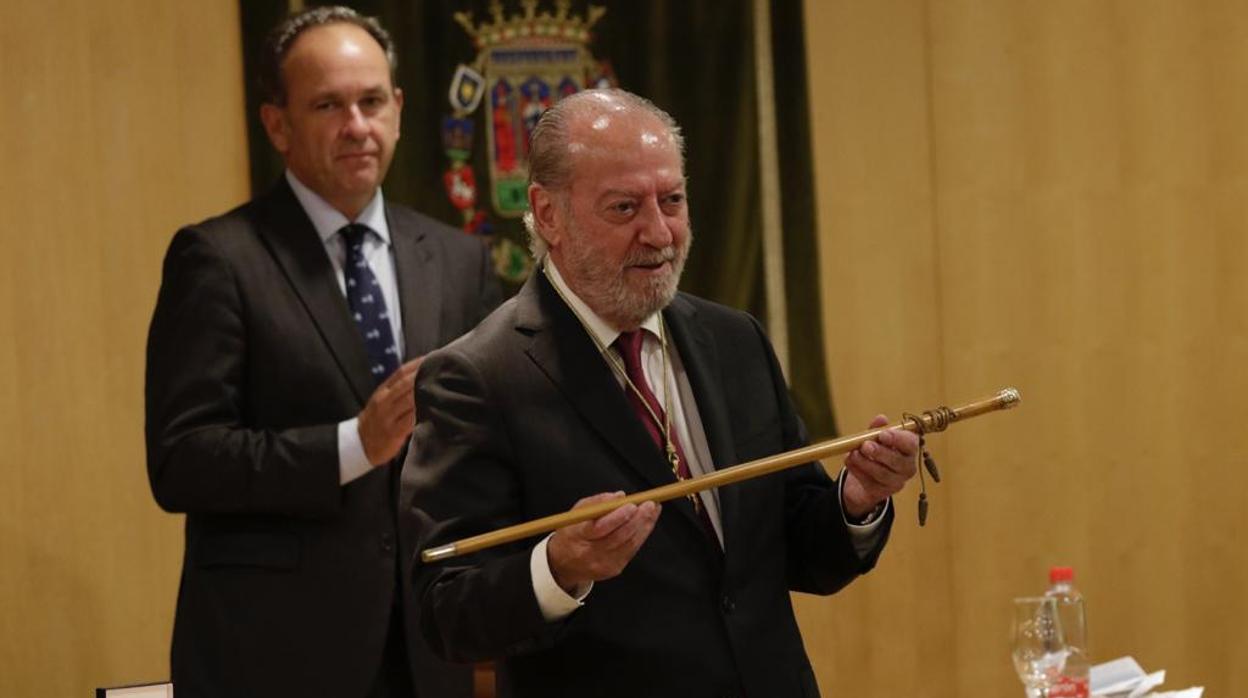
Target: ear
(274,119)
(398,111)
(547,214)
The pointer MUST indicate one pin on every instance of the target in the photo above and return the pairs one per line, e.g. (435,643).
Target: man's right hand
(390,415)
(600,548)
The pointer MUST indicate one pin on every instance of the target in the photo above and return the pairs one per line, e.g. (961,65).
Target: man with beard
(599,379)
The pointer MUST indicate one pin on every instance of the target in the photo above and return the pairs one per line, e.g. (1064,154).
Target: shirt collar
(328,220)
(595,325)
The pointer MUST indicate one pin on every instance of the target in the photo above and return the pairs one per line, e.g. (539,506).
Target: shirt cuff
(555,603)
(865,535)
(352,463)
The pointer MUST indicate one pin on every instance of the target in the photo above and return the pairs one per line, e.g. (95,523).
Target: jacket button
(726,603)
(387,543)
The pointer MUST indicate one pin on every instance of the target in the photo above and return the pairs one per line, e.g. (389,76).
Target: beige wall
(121,120)
(1051,195)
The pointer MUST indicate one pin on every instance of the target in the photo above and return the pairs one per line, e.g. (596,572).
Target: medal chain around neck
(616,363)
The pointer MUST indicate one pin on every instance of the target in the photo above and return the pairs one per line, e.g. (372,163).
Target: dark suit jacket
(522,417)
(253,359)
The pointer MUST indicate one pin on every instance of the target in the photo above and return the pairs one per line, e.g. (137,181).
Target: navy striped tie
(368,305)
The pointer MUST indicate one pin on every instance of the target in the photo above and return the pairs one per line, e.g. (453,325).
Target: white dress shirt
(378,252)
(554,602)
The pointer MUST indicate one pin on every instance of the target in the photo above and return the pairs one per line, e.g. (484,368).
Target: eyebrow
(635,192)
(338,94)
(618,192)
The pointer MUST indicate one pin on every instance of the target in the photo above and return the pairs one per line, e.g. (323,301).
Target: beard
(606,288)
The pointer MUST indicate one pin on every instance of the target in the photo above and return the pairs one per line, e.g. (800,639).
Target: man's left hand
(878,469)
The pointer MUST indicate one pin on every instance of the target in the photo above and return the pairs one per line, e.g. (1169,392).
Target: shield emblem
(525,63)
(523,83)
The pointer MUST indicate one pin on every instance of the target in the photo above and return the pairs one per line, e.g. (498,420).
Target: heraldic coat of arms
(525,63)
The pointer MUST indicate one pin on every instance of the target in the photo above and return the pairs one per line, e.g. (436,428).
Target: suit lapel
(564,351)
(420,284)
(294,243)
(700,357)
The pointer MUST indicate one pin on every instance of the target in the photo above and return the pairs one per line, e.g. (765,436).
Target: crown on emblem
(530,26)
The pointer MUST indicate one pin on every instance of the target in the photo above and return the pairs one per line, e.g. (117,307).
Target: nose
(356,126)
(655,228)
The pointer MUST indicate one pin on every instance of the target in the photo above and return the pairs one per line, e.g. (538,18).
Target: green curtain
(694,58)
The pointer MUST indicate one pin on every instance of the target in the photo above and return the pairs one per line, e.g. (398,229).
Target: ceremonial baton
(929,422)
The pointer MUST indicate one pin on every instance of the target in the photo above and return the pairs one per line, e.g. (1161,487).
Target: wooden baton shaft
(932,421)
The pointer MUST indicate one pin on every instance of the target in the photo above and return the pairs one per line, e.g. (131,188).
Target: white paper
(155,690)
(1148,683)
(1115,677)
(1124,678)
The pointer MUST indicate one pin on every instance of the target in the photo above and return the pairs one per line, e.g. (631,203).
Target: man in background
(280,364)
(597,379)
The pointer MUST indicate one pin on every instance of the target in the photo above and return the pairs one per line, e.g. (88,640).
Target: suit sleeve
(201,456)
(459,482)
(820,556)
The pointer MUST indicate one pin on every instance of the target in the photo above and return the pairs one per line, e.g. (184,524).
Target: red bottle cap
(1061,574)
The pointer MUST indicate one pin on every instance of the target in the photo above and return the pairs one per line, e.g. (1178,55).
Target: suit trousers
(394,677)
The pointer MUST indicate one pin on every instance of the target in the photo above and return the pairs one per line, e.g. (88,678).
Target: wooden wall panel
(1046,194)
(123,121)
(1085,164)
(870,109)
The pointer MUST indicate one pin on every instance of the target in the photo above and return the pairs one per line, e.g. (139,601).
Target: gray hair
(278,42)
(550,161)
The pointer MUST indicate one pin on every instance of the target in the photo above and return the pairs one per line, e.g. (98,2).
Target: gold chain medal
(664,425)
(672,456)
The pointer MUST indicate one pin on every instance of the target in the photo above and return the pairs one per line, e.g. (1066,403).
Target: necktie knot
(629,346)
(354,234)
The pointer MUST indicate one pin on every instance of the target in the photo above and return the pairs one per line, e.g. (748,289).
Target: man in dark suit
(599,378)
(279,391)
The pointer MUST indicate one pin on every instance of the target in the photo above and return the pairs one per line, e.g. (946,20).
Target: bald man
(281,357)
(597,379)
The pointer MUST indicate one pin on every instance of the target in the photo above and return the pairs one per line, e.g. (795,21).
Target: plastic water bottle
(1073,682)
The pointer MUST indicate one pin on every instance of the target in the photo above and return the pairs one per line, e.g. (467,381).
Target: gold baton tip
(439,553)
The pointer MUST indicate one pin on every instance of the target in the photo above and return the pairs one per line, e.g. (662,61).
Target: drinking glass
(1038,646)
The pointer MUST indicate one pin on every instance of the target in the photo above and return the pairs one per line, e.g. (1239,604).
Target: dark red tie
(629,346)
